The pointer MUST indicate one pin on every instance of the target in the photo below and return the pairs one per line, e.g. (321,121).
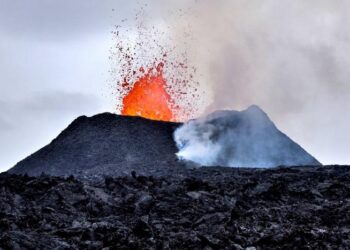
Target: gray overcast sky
(53,67)
(290,57)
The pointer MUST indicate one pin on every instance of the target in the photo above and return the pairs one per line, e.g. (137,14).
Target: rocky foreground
(207,208)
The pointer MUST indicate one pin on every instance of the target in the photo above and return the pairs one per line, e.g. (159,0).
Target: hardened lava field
(206,208)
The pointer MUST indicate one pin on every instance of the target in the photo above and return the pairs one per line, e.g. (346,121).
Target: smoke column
(289,57)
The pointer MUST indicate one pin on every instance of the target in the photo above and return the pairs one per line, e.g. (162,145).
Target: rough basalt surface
(206,208)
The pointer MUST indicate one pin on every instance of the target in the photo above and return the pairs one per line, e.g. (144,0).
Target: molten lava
(148,97)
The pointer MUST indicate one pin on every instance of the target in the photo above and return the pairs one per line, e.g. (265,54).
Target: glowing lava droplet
(148,97)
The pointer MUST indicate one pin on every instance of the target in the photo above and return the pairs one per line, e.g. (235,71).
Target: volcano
(109,144)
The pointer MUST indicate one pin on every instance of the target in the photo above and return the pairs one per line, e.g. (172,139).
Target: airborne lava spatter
(152,76)
(149,98)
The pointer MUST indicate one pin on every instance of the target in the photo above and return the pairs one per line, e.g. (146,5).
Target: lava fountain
(153,76)
(149,98)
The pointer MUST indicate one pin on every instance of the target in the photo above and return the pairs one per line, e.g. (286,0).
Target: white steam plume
(238,139)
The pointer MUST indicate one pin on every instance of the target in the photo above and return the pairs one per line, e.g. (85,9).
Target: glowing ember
(148,97)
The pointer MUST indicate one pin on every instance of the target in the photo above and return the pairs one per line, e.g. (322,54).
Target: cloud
(59,102)
(34,121)
(58,20)
(5,126)
(53,68)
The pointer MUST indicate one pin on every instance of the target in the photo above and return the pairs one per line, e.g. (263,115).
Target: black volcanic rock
(105,144)
(205,208)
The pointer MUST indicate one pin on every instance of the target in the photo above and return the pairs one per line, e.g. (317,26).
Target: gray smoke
(238,139)
(289,57)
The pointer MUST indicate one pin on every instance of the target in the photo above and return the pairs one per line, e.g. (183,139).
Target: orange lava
(148,97)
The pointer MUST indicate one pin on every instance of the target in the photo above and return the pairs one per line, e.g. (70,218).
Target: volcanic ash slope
(106,144)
